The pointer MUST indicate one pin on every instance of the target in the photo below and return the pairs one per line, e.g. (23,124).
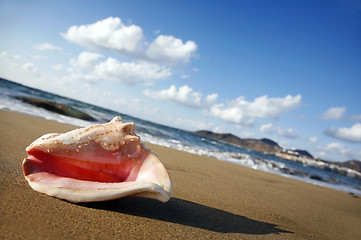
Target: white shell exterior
(152,181)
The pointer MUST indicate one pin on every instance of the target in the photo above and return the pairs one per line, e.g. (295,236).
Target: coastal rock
(56,107)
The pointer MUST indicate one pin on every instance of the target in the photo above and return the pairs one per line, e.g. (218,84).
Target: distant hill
(353,164)
(263,145)
(304,153)
(270,142)
(271,147)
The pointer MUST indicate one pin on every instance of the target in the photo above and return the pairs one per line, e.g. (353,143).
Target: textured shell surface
(96,163)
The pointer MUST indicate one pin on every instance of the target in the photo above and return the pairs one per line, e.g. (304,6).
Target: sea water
(305,170)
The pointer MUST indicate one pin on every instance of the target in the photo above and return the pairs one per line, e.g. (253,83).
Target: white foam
(244,160)
(236,158)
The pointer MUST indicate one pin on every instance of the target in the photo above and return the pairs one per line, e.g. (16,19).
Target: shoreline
(304,178)
(212,199)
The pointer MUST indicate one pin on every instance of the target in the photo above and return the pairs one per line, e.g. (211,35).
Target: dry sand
(212,200)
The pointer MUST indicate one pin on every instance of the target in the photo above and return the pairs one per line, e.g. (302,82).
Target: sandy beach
(212,200)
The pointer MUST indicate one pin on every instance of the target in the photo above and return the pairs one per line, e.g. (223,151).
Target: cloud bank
(334,148)
(170,49)
(243,112)
(270,129)
(112,34)
(88,67)
(335,113)
(85,60)
(352,134)
(46,47)
(184,96)
(149,60)
(238,111)
(130,73)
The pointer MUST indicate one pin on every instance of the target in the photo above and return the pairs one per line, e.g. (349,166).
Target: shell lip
(93,190)
(142,189)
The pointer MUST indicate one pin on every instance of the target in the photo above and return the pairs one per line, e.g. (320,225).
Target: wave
(323,174)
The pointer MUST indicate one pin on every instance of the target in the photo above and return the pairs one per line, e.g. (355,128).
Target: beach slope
(212,200)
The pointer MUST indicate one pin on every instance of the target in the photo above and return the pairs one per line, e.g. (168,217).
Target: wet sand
(212,200)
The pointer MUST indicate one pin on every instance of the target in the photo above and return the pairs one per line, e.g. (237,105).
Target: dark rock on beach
(56,107)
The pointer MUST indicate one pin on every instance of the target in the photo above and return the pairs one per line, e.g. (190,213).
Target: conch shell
(96,163)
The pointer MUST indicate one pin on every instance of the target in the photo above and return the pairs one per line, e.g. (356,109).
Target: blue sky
(285,70)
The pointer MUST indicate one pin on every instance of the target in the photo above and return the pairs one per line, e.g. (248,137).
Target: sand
(212,200)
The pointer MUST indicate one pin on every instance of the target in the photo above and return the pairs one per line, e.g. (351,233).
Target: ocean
(314,172)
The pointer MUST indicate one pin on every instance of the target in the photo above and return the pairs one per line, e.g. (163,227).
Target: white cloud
(352,134)
(170,49)
(247,134)
(287,133)
(191,124)
(243,112)
(75,84)
(39,57)
(267,128)
(109,33)
(85,60)
(185,76)
(313,139)
(270,129)
(130,72)
(337,152)
(30,67)
(46,47)
(334,147)
(87,67)
(112,34)
(355,118)
(335,113)
(184,96)
(58,67)
(108,98)
(14,69)
(6,56)
(81,68)
(74,76)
